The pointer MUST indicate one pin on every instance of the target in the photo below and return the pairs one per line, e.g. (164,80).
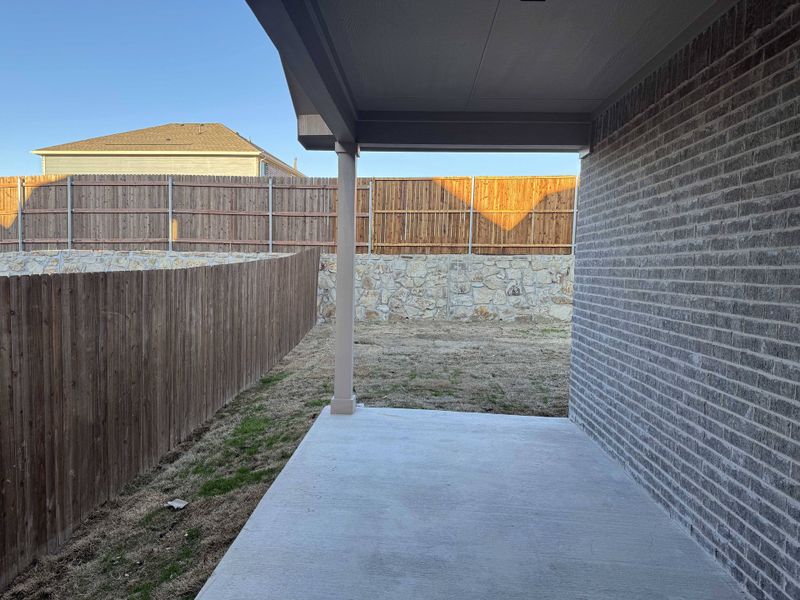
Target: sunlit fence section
(102,373)
(440,215)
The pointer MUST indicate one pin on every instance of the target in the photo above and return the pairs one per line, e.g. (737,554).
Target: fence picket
(201,213)
(102,373)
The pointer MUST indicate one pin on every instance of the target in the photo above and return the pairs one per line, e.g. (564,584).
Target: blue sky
(73,70)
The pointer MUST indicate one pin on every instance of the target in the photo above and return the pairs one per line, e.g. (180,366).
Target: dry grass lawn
(133,547)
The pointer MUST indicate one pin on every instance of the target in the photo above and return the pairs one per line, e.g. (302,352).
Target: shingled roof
(172,137)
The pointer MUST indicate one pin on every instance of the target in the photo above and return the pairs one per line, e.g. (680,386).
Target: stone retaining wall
(454,287)
(444,286)
(86,261)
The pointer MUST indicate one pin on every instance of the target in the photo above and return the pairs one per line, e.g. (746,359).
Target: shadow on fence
(460,215)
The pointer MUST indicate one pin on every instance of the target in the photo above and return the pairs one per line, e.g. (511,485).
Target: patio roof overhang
(510,75)
(481,75)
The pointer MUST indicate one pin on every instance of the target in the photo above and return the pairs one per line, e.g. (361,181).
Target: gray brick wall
(686,331)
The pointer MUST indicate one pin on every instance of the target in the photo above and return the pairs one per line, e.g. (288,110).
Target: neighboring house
(175,148)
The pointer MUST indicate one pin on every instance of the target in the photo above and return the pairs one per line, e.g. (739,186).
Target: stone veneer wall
(686,332)
(86,261)
(454,287)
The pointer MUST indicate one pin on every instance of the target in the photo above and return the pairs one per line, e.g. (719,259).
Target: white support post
(344,398)
(369,219)
(20,203)
(269,214)
(69,212)
(169,213)
(574,216)
(471,215)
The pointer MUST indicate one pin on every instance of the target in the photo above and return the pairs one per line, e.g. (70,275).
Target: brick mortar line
(679,92)
(644,200)
(624,457)
(708,482)
(692,253)
(770,357)
(682,242)
(721,409)
(579,286)
(647,199)
(724,362)
(701,428)
(592,280)
(625,454)
(680,212)
(616,162)
(666,457)
(601,261)
(588,423)
(664,479)
(717,406)
(765,268)
(645,134)
(750,319)
(651,157)
(609,272)
(591,232)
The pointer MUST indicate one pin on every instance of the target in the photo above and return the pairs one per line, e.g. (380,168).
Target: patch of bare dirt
(133,547)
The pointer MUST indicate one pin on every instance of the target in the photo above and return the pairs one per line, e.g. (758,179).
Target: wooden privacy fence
(482,215)
(102,373)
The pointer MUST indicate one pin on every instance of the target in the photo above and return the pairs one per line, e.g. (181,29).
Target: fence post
(169,213)
(20,202)
(369,219)
(269,215)
(69,212)
(574,216)
(471,215)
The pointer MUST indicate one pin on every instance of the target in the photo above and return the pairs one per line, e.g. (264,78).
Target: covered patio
(399,503)
(685,360)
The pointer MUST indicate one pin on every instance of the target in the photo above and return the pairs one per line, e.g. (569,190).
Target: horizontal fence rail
(103,373)
(484,215)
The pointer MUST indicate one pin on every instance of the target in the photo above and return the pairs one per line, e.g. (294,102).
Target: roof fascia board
(473,117)
(299,35)
(461,131)
(478,137)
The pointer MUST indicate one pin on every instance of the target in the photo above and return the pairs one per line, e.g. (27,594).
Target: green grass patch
(202,469)
(274,439)
(272,378)
(438,392)
(169,567)
(154,517)
(551,331)
(225,485)
(143,591)
(248,435)
(318,403)
(193,535)
(170,571)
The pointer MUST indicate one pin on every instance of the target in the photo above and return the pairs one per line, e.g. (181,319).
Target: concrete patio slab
(394,503)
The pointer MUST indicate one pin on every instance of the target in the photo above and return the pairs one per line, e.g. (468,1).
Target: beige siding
(136,164)
(273,170)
